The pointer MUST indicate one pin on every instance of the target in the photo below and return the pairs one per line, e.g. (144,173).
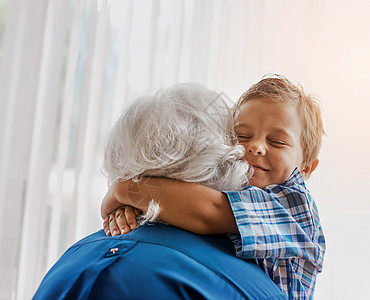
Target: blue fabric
(279,227)
(155,262)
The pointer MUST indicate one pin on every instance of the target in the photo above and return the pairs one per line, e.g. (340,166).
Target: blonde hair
(278,88)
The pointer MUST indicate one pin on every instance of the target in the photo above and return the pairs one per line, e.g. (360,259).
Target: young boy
(275,220)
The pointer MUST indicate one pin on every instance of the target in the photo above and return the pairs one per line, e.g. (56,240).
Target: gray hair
(183,132)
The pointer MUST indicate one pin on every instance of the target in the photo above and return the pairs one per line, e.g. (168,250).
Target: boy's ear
(308,169)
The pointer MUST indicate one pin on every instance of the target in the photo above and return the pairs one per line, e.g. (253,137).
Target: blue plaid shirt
(280,228)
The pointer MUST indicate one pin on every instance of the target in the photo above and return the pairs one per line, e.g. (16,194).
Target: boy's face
(270,132)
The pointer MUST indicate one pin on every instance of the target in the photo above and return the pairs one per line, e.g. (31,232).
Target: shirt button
(112,252)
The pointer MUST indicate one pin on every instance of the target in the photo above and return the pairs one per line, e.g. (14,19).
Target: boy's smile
(270,132)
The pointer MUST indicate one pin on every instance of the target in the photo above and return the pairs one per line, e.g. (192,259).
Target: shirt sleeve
(280,222)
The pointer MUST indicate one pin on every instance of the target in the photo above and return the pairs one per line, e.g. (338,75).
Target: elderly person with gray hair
(182,132)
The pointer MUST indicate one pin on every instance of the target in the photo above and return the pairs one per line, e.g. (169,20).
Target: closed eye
(243,138)
(278,143)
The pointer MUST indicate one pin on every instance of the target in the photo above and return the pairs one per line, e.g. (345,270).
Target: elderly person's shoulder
(155,261)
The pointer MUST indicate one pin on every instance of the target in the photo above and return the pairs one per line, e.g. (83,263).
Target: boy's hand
(110,202)
(121,221)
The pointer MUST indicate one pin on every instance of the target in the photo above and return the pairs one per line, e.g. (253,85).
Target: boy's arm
(186,205)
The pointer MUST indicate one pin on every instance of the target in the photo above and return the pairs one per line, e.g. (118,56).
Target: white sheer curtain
(69,67)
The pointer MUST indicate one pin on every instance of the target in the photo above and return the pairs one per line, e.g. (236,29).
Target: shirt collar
(294,178)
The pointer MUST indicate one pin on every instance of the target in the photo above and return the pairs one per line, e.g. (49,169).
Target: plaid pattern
(280,228)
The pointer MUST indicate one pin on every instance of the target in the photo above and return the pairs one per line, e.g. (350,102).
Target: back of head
(182,132)
(279,88)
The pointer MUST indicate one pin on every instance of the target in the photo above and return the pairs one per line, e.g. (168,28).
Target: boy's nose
(256,149)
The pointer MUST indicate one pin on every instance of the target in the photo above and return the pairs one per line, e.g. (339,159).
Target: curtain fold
(21,91)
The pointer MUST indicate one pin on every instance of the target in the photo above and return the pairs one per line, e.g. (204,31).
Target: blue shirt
(279,227)
(155,262)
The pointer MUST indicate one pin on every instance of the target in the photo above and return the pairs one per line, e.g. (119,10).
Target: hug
(218,196)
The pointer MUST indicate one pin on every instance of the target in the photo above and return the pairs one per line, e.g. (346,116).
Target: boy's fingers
(119,212)
(113,227)
(130,217)
(121,221)
(106,226)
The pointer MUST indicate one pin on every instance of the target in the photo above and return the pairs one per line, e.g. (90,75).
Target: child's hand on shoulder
(121,221)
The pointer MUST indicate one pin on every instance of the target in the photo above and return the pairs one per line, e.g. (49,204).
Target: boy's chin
(257,183)
(258,180)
